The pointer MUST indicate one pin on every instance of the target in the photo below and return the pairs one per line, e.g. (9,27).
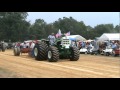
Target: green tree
(103,28)
(117,29)
(72,25)
(37,30)
(13,25)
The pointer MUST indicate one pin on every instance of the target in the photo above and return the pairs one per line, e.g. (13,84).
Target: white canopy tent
(109,36)
(75,37)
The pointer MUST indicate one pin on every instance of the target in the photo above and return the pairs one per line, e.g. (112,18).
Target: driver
(51,38)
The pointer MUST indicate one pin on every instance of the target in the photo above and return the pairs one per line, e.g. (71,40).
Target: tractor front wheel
(53,54)
(74,54)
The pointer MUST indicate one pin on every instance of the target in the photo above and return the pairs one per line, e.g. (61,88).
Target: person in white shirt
(32,45)
(51,38)
(32,48)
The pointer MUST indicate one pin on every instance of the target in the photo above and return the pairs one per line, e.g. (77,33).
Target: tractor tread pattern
(75,54)
(55,54)
(41,51)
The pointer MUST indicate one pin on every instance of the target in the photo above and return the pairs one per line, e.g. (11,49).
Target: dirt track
(88,66)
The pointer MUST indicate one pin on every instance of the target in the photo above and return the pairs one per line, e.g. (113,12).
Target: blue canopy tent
(75,38)
(72,39)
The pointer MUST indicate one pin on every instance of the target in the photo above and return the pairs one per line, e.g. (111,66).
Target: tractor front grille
(65,41)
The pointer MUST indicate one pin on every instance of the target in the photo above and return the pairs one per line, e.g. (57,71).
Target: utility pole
(119,22)
(119,27)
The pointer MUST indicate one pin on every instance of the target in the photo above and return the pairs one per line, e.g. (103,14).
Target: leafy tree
(70,24)
(37,30)
(13,25)
(117,29)
(103,28)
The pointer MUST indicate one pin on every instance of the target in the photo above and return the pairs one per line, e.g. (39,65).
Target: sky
(89,18)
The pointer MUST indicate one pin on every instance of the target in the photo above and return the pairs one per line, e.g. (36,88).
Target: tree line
(15,27)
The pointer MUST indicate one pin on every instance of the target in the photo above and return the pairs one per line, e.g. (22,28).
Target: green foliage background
(15,27)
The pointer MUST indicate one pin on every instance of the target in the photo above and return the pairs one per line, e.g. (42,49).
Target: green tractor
(61,49)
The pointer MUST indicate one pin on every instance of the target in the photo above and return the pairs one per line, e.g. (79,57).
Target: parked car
(84,50)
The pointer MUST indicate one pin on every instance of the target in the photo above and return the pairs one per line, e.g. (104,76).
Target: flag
(58,34)
(68,33)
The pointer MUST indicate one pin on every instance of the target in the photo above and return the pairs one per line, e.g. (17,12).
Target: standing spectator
(83,44)
(32,48)
(114,46)
(32,45)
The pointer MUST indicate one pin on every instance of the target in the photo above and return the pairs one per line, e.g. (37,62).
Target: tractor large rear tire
(46,50)
(40,51)
(53,54)
(16,51)
(74,54)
